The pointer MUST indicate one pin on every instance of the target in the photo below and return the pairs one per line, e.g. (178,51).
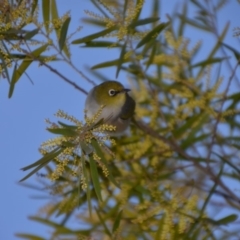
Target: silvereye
(118,106)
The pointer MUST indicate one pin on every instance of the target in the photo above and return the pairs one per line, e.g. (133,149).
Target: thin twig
(28,53)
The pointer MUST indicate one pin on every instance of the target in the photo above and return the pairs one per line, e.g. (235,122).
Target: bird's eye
(111,92)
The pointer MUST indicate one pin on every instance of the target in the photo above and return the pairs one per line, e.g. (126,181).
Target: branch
(173,145)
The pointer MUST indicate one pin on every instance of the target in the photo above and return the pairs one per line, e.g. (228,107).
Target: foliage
(161,179)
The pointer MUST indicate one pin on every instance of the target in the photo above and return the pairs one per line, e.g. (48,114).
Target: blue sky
(22,124)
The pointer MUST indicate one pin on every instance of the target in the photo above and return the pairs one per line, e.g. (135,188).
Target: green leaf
(34,5)
(60,228)
(27,59)
(95,177)
(14,31)
(13,82)
(93,36)
(54,11)
(191,140)
(17,73)
(228,219)
(178,132)
(109,63)
(235,97)
(29,236)
(67,125)
(68,132)
(152,34)
(95,22)
(103,222)
(45,159)
(121,59)
(63,33)
(104,161)
(199,5)
(223,221)
(46,13)
(143,22)
(136,6)
(68,144)
(208,62)
(86,148)
(104,44)
(152,55)
(182,23)
(34,171)
(117,221)
(194,23)
(4,65)
(215,48)
(85,174)
(234,51)
(31,34)
(54,15)
(12,34)
(156,8)
(18,56)
(219,42)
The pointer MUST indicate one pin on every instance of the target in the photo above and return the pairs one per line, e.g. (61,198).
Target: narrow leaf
(208,62)
(29,236)
(182,23)
(17,73)
(85,174)
(104,161)
(194,23)
(121,59)
(219,42)
(63,33)
(95,22)
(95,177)
(138,4)
(50,223)
(109,63)
(93,36)
(190,140)
(68,132)
(117,222)
(54,11)
(143,22)
(34,5)
(152,55)
(67,125)
(234,51)
(31,34)
(227,220)
(215,48)
(189,123)
(35,170)
(104,44)
(103,222)
(46,13)
(152,34)
(4,66)
(12,83)
(46,158)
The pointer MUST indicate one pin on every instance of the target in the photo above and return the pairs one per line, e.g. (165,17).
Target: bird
(117,106)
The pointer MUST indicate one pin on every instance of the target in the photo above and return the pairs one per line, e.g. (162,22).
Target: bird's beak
(126,90)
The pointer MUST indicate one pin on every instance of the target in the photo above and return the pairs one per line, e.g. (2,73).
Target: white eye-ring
(112,92)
